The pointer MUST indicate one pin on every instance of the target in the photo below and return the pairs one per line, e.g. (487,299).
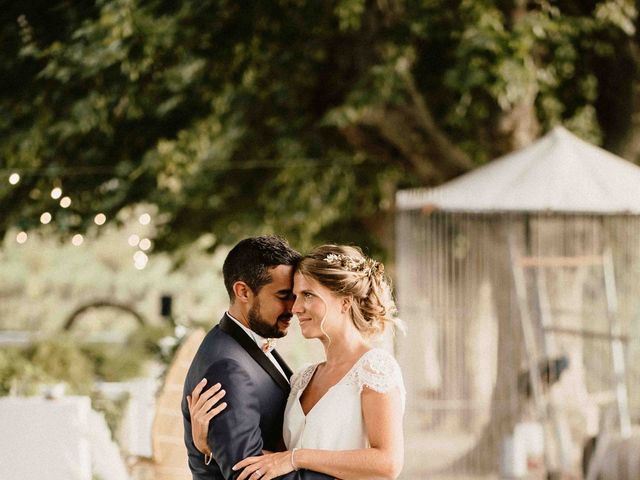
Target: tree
(296,117)
(301,118)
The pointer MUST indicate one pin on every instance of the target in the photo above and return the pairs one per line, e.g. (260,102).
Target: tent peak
(559,172)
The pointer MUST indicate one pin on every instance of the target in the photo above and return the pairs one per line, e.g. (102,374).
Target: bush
(64,359)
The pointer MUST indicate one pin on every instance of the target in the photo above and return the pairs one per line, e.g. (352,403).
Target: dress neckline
(313,372)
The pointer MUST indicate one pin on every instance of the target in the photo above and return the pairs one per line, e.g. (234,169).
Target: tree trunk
(517,127)
(619,102)
(506,406)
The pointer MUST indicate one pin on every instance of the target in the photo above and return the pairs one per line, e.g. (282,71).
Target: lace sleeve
(300,379)
(379,371)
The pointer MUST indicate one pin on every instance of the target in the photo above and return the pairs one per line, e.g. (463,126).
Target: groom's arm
(234,434)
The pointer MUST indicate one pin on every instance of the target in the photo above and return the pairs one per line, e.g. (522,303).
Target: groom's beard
(261,327)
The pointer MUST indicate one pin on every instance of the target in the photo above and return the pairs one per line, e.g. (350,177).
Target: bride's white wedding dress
(335,422)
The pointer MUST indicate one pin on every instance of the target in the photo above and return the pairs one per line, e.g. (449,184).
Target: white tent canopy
(558,173)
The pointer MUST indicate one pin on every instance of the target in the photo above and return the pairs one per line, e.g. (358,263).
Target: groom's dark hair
(249,261)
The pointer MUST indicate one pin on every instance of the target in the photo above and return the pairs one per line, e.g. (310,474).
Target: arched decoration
(99,304)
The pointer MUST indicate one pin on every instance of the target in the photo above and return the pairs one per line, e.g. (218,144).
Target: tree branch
(440,141)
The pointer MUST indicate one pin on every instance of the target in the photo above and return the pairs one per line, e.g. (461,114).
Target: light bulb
(133,240)
(77,240)
(140,256)
(45,218)
(100,219)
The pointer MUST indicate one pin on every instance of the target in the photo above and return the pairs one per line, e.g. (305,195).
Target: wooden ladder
(540,327)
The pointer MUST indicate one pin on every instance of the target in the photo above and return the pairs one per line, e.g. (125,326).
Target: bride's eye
(308,295)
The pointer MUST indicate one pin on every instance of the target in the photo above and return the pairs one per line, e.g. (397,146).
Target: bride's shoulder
(379,371)
(301,378)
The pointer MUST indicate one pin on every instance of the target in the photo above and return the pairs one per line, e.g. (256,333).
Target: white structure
(531,259)
(59,439)
(134,433)
(558,173)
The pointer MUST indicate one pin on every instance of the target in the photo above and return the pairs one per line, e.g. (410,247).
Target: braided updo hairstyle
(346,271)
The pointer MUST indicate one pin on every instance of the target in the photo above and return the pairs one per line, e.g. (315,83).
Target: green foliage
(18,374)
(114,363)
(148,340)
(112,408)
(24,371)
(243,117)
(64,359)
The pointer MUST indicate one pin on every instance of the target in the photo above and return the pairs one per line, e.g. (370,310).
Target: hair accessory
(366,265)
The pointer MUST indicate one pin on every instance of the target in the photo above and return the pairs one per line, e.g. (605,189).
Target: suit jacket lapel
(285,368)
(229,326)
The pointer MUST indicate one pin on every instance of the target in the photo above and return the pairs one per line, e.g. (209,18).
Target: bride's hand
(201,412)
(268,466)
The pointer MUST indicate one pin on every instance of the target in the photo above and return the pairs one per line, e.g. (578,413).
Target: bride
(343,416)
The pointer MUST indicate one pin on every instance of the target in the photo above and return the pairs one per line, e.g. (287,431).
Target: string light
(133,240)
(45,218)
(145,219)
(100,219)
(77,240)
(140,260)
(261,164)
(140,256)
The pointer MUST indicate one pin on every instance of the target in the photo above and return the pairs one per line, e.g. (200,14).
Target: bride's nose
(297,306)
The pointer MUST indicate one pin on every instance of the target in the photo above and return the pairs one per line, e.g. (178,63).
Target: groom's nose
(289,303)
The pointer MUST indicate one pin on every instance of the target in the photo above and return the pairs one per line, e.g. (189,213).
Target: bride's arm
(201,411)
(382,413)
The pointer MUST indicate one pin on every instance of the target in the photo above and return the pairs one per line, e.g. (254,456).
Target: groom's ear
(242,292)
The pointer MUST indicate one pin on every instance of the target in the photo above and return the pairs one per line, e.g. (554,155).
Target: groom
(258,275)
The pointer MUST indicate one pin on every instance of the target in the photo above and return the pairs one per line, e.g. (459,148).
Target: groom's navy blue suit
(256,397)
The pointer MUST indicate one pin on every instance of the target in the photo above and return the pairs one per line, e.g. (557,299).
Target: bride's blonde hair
(346,271)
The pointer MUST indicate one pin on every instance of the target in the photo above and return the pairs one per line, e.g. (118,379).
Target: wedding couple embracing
(247,417)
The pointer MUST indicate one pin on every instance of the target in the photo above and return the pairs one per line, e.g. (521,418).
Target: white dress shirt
(259,341)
